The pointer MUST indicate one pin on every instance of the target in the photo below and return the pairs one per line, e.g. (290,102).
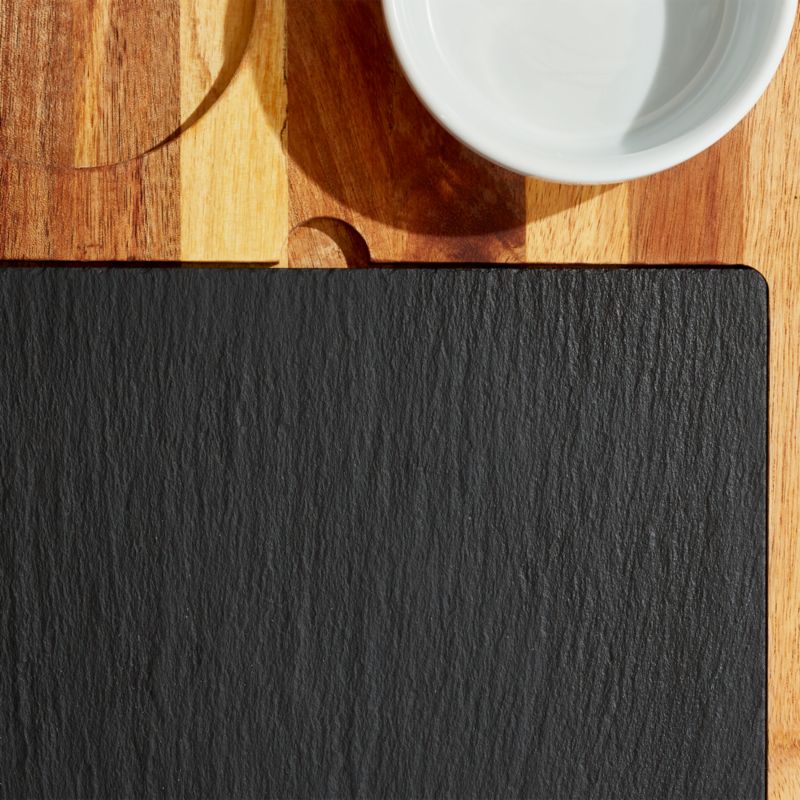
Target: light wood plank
(577,224)
(772,245)
(82,85)
(784,772)
(234,185)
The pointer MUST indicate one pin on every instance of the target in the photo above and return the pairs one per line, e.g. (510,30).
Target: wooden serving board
(160,131)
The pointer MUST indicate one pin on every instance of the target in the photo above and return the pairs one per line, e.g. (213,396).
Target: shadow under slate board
(383,533)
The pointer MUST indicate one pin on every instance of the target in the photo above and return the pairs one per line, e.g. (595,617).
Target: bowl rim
(583,170)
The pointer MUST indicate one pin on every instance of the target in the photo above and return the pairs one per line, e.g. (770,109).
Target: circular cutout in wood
(327,242)
(86,83)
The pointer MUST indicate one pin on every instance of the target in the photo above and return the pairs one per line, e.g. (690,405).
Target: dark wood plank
(88,83)
(363,149)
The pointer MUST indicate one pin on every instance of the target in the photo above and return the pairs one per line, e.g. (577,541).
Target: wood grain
(708,189)
(585,224)
(214,186)
(363,150)
(783,772)
(81,83)
(234,192)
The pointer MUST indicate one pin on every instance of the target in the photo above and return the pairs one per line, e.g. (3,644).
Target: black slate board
(383,534)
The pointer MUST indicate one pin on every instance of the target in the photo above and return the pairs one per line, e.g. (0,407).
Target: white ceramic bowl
(590,91)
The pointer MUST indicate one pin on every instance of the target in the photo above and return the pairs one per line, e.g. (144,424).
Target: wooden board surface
(359,172)
(179,143)
(65,98)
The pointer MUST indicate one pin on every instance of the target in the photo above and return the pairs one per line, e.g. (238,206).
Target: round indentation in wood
(92,82)
(327,242)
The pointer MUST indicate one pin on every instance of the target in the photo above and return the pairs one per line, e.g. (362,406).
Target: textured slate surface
(382,534)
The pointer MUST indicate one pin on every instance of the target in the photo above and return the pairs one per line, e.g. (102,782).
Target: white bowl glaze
(590,91)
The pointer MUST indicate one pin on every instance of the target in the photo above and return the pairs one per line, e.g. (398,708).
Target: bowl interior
(572,80)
